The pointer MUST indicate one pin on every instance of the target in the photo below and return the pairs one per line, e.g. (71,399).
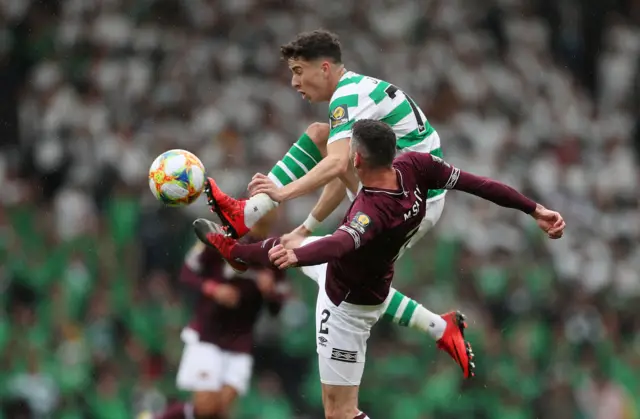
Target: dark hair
(375,141)
(313,45)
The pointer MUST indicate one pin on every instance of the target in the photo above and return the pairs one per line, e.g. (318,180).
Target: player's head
(373,145)
(315,60)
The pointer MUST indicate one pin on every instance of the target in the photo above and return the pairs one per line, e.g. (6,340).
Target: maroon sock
(362,415)
(255,253)
(177,411)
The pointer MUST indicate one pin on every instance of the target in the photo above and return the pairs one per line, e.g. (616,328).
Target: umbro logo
(322,341)
(344,356)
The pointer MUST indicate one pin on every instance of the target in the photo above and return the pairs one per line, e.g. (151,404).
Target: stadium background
(541,94)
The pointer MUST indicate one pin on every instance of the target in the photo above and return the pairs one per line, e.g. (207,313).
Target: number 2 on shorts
(325,317)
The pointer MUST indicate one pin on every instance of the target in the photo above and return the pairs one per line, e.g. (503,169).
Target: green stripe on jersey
(351,80)
(414,137)
(350,101)
(346,127)
(378,94)
(398,114)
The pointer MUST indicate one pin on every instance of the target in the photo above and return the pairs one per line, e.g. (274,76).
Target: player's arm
(332,195)
(348,238)
(343,112)
(334,165)
(192,267)
(192,276)
(438,174)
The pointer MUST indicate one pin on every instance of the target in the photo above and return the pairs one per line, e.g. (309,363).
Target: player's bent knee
(319,134)
(206,403)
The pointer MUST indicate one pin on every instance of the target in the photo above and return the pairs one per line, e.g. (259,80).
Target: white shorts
(206,367)
(341,332)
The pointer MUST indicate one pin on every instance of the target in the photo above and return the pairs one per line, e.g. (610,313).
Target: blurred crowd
(541,94)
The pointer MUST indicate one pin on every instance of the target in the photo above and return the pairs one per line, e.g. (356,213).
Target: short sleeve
(344,111)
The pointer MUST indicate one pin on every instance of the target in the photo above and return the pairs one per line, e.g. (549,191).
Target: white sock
(257,207)
(428,322)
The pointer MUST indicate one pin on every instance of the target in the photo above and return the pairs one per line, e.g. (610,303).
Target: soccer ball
(176,178)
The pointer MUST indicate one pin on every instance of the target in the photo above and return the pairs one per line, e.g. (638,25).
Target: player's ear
(357,159)
(325,66)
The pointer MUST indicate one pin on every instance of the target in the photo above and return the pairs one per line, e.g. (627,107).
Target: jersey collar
(397,192)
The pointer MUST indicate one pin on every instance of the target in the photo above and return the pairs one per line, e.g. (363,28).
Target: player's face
(311,79)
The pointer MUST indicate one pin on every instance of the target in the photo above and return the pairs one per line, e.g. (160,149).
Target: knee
(335,410)
(319,134)
(205,405)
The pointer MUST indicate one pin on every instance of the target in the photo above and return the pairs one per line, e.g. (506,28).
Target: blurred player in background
(216,362)
(354,267)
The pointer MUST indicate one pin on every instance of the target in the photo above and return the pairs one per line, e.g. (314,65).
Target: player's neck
(338,75)
(385,178)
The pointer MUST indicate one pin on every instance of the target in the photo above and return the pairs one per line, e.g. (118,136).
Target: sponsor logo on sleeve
(339,116)
(360,222)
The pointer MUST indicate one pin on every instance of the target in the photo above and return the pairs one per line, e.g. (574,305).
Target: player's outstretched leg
(239,216)
(447,330)
(213,235)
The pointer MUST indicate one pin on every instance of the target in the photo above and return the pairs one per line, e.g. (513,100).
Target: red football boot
(213,235)
(452,342)
(230,210)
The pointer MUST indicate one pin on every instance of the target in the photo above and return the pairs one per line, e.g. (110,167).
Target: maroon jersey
(362,252)
(229,328)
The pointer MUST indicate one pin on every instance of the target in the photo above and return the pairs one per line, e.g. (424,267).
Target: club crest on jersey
(339,116)
(360,222)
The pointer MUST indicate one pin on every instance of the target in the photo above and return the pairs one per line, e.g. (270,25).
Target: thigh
(237,371)
(200,367)
(340,401)
(341,339)
(315,272)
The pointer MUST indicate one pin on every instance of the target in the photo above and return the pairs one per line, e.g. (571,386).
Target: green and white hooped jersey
(362,97)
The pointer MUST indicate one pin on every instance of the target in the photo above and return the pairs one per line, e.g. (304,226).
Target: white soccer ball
(176,178)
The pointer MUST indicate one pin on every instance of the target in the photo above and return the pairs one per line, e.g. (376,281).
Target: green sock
(301,157)
(409,313)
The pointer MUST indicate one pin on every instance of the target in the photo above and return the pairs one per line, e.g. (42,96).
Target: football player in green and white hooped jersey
(320,157)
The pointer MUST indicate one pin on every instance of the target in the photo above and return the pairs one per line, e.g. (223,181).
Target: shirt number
(391,92)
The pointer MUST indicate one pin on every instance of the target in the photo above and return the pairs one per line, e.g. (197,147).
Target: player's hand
(551,222)
(262,184)
(224,294)
(295,238)
(281,257)
(265,280)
